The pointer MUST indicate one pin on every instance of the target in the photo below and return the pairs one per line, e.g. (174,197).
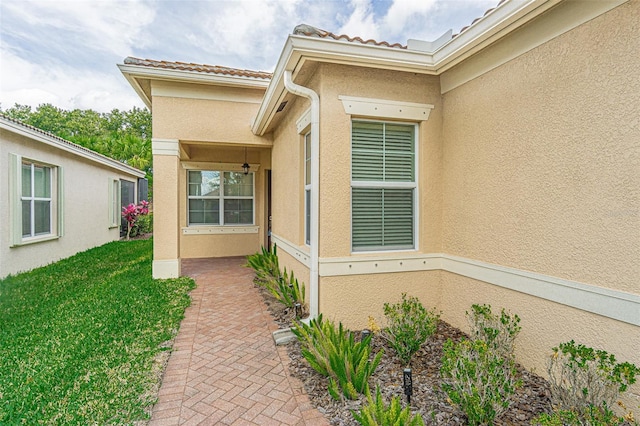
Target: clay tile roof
(183,66)
(477,19)
(310,31)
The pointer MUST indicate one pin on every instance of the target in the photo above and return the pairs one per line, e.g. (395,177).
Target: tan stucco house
(499,165)
(56,198)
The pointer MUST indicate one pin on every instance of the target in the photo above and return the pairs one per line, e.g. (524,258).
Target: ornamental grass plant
(82,340)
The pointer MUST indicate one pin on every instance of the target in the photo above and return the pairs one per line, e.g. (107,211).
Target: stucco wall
(212,117)
(335,150)
(85,201)
(212,125)
(541,158)
(352,299)
(541,164)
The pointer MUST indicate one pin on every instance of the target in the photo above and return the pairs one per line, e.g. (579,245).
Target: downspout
(305,92)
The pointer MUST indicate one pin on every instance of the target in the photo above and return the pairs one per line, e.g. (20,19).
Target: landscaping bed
(532,399)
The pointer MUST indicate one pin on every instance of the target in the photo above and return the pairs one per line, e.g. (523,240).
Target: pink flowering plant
(132,212)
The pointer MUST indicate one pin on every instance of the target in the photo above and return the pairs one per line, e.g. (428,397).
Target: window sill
(35,240)
(219,230)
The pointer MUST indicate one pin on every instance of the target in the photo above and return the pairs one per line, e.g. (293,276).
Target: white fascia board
(69,147)
(299,49)
(134,83)
(505,18)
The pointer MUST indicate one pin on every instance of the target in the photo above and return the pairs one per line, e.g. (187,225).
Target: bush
(589,416)
(478,380)
(144,225)
(377,413)
(334,353)
(409,326)
(479,375)
(586,381)
(498,332)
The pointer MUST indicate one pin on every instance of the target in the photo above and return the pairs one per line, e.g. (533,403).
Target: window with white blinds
(383,186)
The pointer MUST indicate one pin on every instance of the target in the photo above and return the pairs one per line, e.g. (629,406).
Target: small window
(220,198)
(36,200)
(383,186)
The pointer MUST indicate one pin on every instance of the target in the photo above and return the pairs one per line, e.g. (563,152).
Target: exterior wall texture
(541,173)
(211,124)
(85,205)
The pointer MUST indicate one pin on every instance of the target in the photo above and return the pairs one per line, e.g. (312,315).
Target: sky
(65,52)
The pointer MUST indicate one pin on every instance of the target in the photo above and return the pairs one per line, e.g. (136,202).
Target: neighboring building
(500,166)
(56,198)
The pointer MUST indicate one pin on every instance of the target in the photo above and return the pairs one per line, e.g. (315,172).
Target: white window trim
(391,185)
(221,197)
(307,189)
(115,209)
(15,200)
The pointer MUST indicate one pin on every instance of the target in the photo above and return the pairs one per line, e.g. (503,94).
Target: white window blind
(383,181)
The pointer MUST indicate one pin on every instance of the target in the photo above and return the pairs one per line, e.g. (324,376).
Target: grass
(81,340)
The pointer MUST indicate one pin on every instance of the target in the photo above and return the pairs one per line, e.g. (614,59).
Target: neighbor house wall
(542,174)
(86,204)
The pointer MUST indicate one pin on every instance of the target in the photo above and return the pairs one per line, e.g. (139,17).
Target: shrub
(480,374)
(478,379)
(132,213)
(377,413)
(143,225)
(498,332)
(582,378)
(334,353)
(409,326)
(589,416)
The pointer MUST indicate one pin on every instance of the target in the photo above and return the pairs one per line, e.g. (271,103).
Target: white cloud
(26,83)
(361,22)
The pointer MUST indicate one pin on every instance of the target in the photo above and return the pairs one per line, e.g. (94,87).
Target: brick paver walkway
(225,368)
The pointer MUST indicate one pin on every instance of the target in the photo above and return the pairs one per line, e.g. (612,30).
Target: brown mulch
(532,399)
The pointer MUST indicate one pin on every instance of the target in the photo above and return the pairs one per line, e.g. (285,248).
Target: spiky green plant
(377,413)
(333,352)
(265,264)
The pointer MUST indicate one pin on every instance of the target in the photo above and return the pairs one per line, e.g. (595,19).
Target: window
(220,198)
(35,194)
(307,188)
(383,186)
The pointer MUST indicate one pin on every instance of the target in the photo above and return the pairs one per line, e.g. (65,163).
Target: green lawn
(81,339)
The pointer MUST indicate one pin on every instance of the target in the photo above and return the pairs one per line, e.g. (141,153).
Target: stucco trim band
(382,108)
(208,230)
(613,304)
(293,250)
(165,147)
(163,269)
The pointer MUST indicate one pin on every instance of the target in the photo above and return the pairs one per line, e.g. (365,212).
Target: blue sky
(65,52)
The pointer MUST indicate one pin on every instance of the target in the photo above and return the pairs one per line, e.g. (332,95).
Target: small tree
(132,212)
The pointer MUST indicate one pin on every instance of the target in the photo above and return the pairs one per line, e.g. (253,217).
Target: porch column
(166,227)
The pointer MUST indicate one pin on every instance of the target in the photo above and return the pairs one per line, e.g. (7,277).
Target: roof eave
(299,49)
(504,19)
(68,146)
(134,72)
